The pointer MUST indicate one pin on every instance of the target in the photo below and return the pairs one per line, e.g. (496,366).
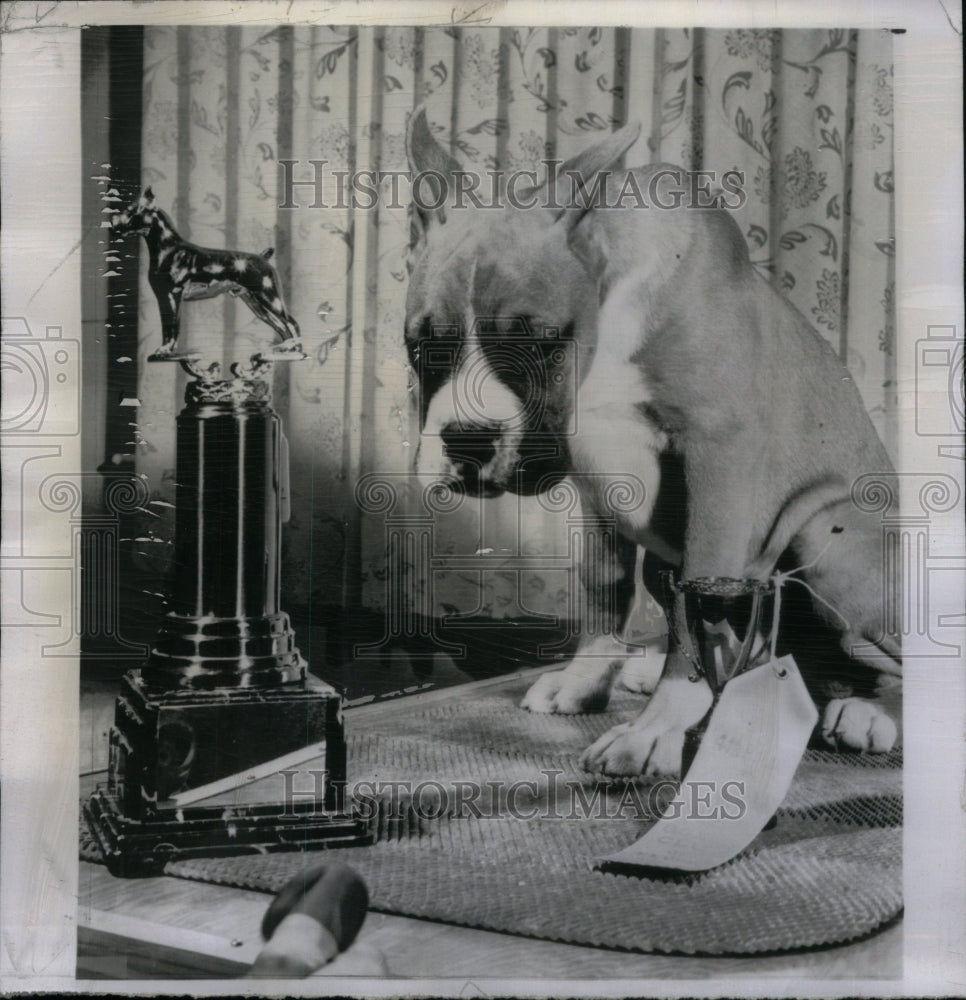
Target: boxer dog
(687,373)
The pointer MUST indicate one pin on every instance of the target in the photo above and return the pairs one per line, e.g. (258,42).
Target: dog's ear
(427,156)
(424,152)
(148,196)
(577,179)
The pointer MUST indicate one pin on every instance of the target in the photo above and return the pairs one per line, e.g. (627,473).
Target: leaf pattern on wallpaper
(828,294)
(760,45)
(803,143)
(787,109)
(887,333)
(533,78)
(837,43)
(548,56)
(593,122)
(795,181)
(399,45)
(328,63)
(673,108)
(481,64)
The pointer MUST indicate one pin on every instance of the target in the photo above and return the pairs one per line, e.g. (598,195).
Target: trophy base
(198,773)
(138,849)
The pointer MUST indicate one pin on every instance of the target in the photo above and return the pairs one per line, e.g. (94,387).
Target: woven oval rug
(451,847)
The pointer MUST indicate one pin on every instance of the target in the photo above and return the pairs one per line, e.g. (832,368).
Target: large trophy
(211,733)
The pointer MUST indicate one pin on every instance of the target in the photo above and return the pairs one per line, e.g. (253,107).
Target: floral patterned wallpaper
(806,115)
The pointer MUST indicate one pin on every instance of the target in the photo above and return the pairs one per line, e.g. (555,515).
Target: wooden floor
(168,928)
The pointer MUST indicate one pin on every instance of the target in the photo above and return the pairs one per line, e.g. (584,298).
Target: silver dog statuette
(179,271)
(740,760)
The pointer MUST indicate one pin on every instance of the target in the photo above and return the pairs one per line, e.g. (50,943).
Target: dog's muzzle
(490,461)
(470,453)
(481,434)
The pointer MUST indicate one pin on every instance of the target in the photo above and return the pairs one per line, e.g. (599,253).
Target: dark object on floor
(317,915)
(333,894)
(829,872)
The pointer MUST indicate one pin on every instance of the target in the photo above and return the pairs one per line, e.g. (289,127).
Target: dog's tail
(799,509)
(268,253)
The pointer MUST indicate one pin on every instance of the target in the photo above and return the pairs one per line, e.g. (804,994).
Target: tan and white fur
(694,376)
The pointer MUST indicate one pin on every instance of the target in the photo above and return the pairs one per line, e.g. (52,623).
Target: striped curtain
(805,115)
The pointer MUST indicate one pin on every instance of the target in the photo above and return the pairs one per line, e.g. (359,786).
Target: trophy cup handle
(672,596)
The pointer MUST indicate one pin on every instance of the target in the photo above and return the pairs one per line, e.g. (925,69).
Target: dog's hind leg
(852,588)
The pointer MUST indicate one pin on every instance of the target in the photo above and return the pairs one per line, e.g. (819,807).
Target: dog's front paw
(857,724)
(564,692)
(633,749)
(641,672)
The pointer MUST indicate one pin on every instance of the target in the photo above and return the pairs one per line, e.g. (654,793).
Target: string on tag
(781,578)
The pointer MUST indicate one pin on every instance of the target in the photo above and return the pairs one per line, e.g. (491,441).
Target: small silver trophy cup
(754,734)
(728,627)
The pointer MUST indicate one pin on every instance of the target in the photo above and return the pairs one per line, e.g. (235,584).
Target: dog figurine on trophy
(179,271)
(224,705)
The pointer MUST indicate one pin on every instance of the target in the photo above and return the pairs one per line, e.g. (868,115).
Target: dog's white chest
(615,444)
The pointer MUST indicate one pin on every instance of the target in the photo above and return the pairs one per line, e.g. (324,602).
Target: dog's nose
(474,447)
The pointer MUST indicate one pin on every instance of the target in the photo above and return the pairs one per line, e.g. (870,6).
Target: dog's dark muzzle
(473,447)
(471,452)
(540,461)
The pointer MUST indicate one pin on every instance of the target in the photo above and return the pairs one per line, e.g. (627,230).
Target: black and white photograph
(483,493)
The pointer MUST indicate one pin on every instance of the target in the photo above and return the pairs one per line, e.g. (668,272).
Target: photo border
(41,272)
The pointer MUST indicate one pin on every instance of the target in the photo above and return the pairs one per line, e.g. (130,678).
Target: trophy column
(225,628)
(209,732)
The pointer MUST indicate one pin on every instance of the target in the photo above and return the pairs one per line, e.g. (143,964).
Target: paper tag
(751,749)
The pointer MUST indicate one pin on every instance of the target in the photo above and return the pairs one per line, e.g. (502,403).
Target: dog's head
(138,217)
(500,323)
